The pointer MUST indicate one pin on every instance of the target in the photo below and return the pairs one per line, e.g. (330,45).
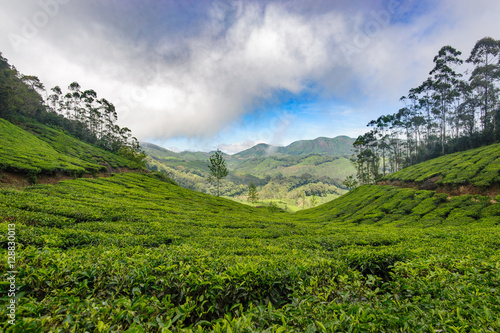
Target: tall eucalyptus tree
(486,57)
(445,80)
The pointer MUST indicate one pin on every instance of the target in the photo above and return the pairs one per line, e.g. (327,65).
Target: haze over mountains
(287,174)
(338,146)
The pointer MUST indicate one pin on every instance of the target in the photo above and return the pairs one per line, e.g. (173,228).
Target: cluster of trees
(95,117)
(79,112)
(297,187)
(451,111)
(18,93)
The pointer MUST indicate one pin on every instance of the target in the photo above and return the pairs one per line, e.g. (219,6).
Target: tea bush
(132,253)
(479,167)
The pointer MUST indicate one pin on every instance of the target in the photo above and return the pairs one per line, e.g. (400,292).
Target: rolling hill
(311,167)
(134,252)
(38,151)
(341,145)
(479,169)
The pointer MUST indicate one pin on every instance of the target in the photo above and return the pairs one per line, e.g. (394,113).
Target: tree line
(79,112)
(456,108)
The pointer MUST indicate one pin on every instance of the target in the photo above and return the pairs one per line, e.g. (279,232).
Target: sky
(200,75)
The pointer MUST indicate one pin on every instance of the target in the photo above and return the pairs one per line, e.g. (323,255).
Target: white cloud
(196,81)
(234,148)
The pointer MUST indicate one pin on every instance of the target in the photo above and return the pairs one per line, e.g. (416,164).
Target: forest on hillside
(455,109)
(79,112)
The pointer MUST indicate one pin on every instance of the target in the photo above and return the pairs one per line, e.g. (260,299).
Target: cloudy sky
(201,74)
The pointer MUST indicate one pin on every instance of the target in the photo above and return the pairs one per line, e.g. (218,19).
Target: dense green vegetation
(380,205)
(79,113)
(338,146)
(479,167)
(135,252)
(287,180)
(131,252)
(38,149)
(68,145)
(23,152)
(451,111)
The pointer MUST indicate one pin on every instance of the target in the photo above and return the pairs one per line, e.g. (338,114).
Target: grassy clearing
(479,167)
(130,252)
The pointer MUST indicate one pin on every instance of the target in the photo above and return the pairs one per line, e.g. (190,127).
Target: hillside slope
(135,252)
(472,171)
(36,149)
(341,145)
(146,255)
(381,205)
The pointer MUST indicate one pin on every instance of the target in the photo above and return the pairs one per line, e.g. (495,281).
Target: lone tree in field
(218,169)
(253,196)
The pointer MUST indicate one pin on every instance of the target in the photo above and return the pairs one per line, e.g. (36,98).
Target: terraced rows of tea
(39,149)
(133,253)
(479,167)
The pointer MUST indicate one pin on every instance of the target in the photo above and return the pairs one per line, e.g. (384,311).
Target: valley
(135,252)
(397,230)
(286,176)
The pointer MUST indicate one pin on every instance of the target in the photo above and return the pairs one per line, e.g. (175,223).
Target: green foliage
(136,253)
(18,96)
(350,182)
(78,112)
(132,252)
(338,146)
(218,169)
(314,200)
(131,154)
(280,177)
(43,150)
(22,152)
(253,195)
(68,145)
(445,114)
(479,167)
(163,176)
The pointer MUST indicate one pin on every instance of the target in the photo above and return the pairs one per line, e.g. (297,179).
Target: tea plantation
(132,253)
(479,167)
(136,253)
(39,149)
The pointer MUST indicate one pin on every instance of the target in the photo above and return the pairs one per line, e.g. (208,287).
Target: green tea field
(40,150)
(478,167)
(133,253)
(252,209)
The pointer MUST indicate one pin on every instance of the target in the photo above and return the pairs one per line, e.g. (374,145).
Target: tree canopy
(218,169)
(79,112)
(454,109)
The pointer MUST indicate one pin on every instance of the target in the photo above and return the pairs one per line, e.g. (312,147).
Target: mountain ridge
(337,146)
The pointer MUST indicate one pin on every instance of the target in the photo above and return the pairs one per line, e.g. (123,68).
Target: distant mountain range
(305,166)
(338,146)
(341,145)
